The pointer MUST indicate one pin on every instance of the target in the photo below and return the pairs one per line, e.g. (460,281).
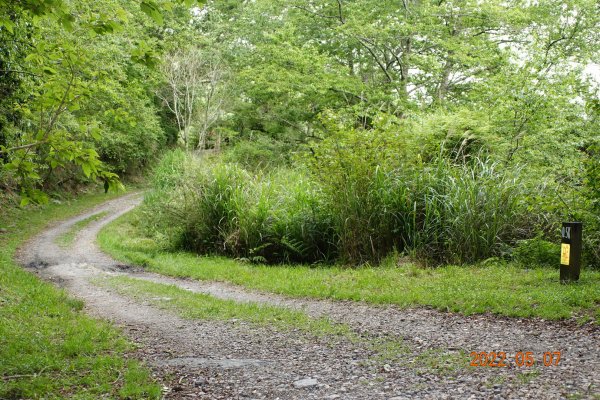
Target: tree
(50,122)
(193,92)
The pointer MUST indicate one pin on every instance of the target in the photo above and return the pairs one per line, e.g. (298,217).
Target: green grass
(67,238)
(442,362)
(192,305)
(48,348)
(503,289)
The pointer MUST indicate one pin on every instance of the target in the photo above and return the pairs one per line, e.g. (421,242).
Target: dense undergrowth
(351,212)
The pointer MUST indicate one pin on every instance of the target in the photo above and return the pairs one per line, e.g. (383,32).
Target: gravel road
(235,360)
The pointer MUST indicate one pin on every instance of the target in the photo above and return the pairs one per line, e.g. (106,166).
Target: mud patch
(37,265)
(132,269)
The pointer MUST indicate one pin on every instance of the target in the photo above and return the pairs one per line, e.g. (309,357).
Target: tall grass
(220,208)
(465,213)
(442,213)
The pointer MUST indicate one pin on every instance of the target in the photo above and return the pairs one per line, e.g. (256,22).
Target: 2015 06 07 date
(521,359)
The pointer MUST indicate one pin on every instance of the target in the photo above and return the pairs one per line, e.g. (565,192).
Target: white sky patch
(593,71)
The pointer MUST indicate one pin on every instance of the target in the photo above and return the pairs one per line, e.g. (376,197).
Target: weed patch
(67,238)
(202,306)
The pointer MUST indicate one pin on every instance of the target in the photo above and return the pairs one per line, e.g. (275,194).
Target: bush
(260,153)
(537,252)
(348,206)
(213,207)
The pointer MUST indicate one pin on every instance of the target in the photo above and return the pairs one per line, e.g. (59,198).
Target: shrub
(537,252)
(261,152)
(353,205)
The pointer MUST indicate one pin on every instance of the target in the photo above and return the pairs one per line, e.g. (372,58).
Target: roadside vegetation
(498,287)
(205,307)
(408,153)
(48,347)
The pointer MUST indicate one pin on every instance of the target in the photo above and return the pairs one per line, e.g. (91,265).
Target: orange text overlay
(521,359)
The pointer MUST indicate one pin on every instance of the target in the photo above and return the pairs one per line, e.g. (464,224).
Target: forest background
(315,131)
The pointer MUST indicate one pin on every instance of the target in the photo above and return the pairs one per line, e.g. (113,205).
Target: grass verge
(48,348)
(192,305)
(499,288)
(67,238)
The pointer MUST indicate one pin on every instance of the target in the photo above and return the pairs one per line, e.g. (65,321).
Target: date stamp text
(520,359)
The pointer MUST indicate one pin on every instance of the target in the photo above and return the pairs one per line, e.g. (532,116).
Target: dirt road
(231,360)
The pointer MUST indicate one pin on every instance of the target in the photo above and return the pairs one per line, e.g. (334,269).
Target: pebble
(305,383)
(200,381)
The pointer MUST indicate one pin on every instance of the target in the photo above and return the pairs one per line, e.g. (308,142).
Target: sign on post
(570,251)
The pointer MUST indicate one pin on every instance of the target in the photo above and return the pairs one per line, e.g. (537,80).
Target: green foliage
(261,152)
(79,89)
(217,208)
(537,252)
(350,207)
(382,196)
(489,75)
(491,287)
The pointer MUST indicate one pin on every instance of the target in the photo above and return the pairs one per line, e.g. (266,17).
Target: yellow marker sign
(565,250)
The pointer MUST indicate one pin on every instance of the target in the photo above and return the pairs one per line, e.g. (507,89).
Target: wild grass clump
(465,213)
(220,208)
(441,213)
(347,209)
(380,198)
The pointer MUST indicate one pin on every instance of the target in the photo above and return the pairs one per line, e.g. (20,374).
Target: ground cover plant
(67,238)
(498,287)
(205,307)
(48,348)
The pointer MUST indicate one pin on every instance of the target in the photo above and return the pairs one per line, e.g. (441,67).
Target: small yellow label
(565,250)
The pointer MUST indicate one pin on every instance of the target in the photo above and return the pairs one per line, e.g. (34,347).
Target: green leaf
(67,20)
(151,9)
(95,133)
(8,24)
(87,170)
(34,58)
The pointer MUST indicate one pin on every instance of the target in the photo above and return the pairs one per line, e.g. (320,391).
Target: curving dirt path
(231,360)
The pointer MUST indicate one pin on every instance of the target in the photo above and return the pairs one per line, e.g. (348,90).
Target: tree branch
(16,71)
(25,146)
(381,66)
